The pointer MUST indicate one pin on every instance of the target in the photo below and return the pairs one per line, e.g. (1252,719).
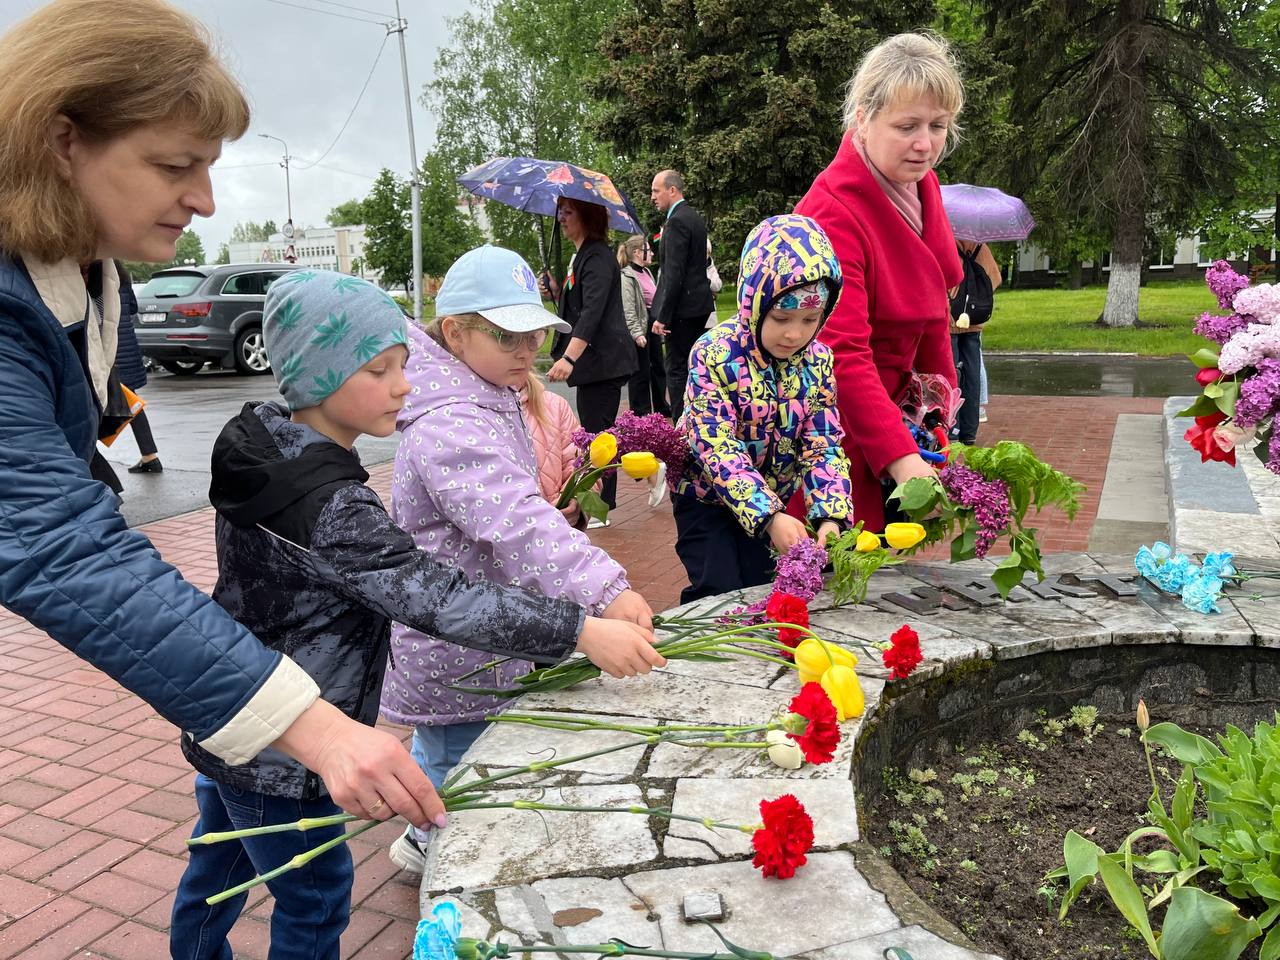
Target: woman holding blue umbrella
(599,357)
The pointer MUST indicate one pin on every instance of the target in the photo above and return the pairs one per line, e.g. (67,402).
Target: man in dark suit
(683,299)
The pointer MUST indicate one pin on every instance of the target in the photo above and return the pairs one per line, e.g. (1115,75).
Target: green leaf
(1128,900)
(964,547)
(1158,861)
(1227,401)
(1183,746)
(918,495)
(1271,945)
(1008,574)
(1213,391)
(593,505)
(1206,358)
(1202,407)
(1200,926)
(1081,858)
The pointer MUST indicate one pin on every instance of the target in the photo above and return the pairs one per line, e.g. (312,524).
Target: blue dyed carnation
(1200,593)
(1218,564)
(437,933)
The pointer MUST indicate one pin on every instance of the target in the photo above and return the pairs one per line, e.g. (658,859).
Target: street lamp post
(288,190)
(415,183)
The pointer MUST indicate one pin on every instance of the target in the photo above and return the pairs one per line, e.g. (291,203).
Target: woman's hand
(785,531)
(572,513)
(659,328)
(908,467)
(629,605)
(641,341)
(560,370)
(618,648)
(548,287)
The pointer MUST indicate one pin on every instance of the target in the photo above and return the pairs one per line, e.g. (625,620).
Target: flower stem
(306,823)
(301,860)
(662,812)
(614,949)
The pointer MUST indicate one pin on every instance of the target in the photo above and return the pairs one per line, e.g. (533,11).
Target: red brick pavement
(95,798)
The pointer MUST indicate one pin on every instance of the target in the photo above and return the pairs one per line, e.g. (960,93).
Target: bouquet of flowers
(981,496)
(644,448)
(1198,585)
(1239,373)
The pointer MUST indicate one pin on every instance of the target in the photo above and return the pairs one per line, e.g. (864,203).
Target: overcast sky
(302,70)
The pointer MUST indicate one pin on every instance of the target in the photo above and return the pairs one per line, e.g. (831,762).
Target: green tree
(511,81)
(190,248)
(251,232)
(388,240)
(1131,113)
(346,214)
(224,254)
(743,98)
(447,232)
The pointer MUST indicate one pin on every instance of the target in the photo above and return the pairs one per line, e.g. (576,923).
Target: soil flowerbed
(975,832)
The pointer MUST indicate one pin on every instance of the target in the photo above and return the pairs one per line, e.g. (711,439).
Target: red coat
(893,315)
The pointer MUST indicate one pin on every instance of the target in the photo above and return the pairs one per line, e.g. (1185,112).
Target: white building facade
(322,248)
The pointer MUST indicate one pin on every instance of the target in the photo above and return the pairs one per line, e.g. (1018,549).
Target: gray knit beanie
(320,327)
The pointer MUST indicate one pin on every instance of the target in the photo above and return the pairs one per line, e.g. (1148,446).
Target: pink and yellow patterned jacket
(759,427)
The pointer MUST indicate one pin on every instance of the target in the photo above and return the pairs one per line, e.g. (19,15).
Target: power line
(347,6)
(355,106)
(327,13)
(241,166)
(352,173)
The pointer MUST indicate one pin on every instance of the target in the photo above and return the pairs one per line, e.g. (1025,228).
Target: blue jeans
(312,903)
(438,750)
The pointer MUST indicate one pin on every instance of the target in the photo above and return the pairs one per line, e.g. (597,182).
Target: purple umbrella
(983,214)
(534,186)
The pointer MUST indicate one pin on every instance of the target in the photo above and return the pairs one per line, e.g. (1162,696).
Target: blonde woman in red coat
(879,203)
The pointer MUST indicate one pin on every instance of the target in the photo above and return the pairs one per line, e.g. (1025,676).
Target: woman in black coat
(599,357)
(133,374)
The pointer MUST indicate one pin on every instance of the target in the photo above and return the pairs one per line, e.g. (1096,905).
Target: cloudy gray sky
(303,69)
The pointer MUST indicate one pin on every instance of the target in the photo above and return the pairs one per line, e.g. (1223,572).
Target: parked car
(190,316)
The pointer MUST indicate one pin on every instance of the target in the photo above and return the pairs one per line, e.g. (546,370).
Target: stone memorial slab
(828,893)
(829,802)
(593,910)
(916,940)
(482,849)
(509,745)
(665,695)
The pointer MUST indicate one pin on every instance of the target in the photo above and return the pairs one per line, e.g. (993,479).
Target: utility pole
(415,182)
(288,190)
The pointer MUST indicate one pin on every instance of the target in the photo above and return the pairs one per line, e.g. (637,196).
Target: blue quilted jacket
(70,565)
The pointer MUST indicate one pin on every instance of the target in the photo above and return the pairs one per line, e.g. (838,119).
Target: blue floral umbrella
(983,214)
(535,185)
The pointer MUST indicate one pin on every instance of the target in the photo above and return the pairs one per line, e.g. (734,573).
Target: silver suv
(190,316)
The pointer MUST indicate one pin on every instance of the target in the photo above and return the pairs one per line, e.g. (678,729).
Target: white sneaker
(406,853)
(982,414)
(594,524)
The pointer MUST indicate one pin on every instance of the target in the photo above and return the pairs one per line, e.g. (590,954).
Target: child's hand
(629,605)
(572,513)
(619,648)
(786,531)
(827,528)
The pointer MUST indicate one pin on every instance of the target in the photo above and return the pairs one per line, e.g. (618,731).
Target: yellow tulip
(638,466)
(811,658)
(903,535)
(842,686)
(867,541)
(603,450)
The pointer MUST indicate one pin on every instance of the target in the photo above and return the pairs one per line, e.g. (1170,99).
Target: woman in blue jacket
(105,152)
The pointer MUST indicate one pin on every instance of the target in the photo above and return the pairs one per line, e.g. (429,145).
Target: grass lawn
(1064,320)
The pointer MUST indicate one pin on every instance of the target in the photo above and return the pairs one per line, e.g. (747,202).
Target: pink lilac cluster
(1224,282)
(1249,347)
(747,616)
(989,500)
(652,433)
(1259,395)
(1220,329)
(1259,304)
(800,570)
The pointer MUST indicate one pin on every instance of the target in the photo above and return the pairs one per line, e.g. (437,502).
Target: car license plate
(153,317)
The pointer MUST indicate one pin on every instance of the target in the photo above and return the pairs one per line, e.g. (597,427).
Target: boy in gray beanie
(310,561)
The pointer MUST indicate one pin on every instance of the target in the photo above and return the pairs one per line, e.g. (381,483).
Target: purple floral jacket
(466,490)
(760,428)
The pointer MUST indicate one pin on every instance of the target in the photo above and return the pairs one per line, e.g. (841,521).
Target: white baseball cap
(501,287)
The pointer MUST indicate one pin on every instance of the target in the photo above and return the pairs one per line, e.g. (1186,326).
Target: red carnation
(903,654)
(785,838)
(1201,438)
(822,735)
(784,608)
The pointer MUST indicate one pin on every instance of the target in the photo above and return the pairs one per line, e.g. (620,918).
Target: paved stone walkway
(95,798)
